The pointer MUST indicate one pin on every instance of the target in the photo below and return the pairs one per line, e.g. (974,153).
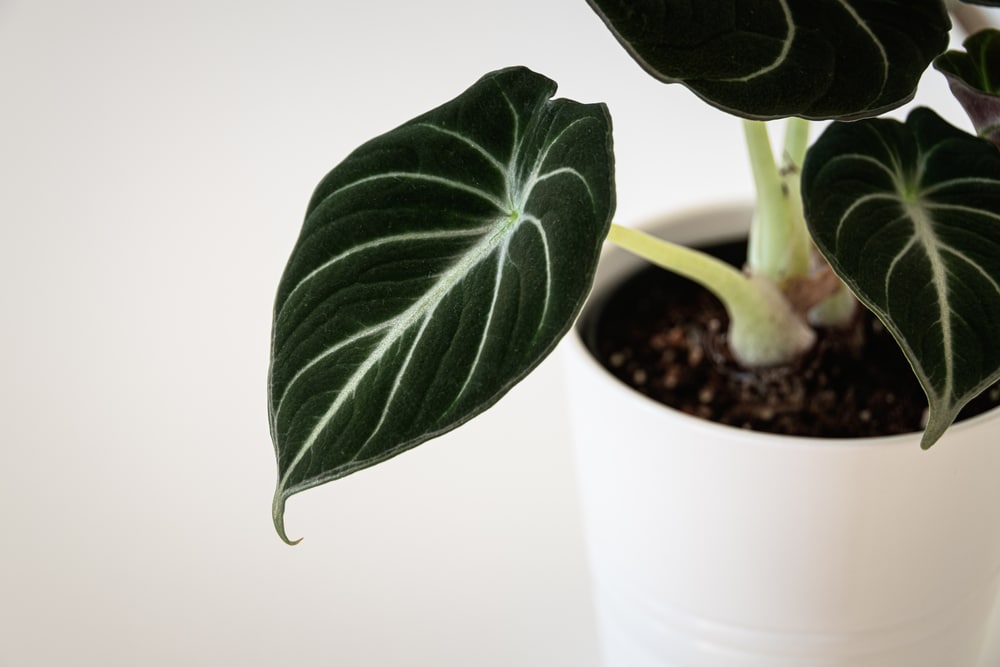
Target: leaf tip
(937,424)
(278,515)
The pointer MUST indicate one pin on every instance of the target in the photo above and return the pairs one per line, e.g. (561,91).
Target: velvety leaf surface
(778,58)
(908,215)
(974,78)
(437,265)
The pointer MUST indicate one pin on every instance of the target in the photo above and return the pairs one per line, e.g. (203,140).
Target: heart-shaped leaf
(437,265)
(974,78)
(908,215)
(778,58)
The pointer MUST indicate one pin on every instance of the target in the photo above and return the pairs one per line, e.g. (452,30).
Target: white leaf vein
(395,329)
(494,162)
(373,244)
(396,384)
(786,47)
(419,176)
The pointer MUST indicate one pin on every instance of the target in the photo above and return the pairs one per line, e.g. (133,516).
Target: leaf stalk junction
(767,326)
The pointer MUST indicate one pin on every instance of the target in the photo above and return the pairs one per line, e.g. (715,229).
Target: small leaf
(437,265)
(909,217)
(974,78)
(777,58)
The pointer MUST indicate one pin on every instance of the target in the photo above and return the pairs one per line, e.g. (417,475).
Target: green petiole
(763,330)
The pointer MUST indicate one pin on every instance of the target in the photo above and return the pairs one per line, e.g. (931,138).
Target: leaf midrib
(399,326)
(924,234)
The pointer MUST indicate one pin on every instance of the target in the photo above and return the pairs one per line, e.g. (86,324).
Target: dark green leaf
(437,265)
(778,58)
(974,78)
(909,217)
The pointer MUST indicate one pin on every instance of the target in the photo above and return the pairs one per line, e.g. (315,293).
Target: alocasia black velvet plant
(440,262)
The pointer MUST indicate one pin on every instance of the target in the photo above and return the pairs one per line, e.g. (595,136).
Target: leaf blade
(816,59)
(974,78)
(907,217)
(437,265)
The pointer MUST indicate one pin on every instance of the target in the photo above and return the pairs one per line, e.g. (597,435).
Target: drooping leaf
(437,265)
(974,78)
(908,215)
(777,58)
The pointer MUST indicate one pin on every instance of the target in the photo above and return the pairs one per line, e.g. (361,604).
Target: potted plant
(441,261)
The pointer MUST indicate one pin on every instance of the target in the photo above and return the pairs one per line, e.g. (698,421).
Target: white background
(155,162)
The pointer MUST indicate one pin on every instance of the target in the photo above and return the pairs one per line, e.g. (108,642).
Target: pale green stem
(839,308)
(762,251)
(763,329)
(836,310)
(778,243)
(722,279)
(799,260)
(796,142)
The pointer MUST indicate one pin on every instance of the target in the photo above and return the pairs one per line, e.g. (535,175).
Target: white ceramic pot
(714,546)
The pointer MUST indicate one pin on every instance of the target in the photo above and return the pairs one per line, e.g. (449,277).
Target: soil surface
(666,337)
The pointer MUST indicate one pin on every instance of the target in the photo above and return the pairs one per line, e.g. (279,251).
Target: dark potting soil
(666,337)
